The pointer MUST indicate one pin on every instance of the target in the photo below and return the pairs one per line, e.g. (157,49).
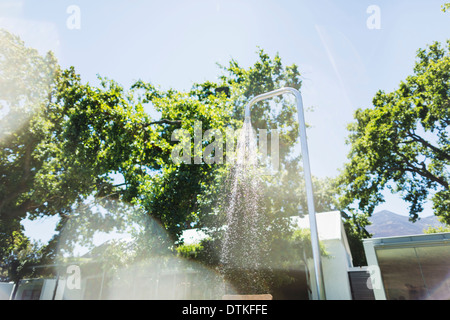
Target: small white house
(340,277)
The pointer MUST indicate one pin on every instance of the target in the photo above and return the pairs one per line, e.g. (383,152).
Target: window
(416,273)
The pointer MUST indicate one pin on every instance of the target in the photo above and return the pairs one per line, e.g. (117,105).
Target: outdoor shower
(307,170)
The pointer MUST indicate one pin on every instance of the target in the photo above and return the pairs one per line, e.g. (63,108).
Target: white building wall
(336,266)
(335,271)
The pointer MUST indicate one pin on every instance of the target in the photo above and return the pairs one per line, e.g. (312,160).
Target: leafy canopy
(403,143)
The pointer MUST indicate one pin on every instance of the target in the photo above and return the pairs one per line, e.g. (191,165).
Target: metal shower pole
(307,170)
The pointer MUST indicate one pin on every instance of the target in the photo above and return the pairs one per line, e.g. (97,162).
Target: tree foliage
(446,7)
(93,155)
(26,88)
(41,172)
(178,191)
(62,139)
(403,143)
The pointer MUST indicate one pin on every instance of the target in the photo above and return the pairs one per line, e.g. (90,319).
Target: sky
(346,50)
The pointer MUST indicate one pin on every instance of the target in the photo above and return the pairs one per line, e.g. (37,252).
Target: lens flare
(126,254)
(442,291)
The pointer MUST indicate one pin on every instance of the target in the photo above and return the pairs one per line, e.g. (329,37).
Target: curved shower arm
(307,172)
(272,94)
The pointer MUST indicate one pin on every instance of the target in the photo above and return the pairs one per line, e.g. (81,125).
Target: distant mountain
(388,224)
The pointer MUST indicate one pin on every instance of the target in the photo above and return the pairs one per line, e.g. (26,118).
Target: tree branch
(163,121)
(422,171)
(435,149)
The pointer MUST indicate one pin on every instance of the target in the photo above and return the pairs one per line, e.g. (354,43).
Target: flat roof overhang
(412,241)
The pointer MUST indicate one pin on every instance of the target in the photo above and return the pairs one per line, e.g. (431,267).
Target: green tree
(39,175)
(174,194)
(61,158)
(176,189)
(40,106)
(436,230)
(74,136)
(19,255)
(26,87)
(402,143)
(61,155)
